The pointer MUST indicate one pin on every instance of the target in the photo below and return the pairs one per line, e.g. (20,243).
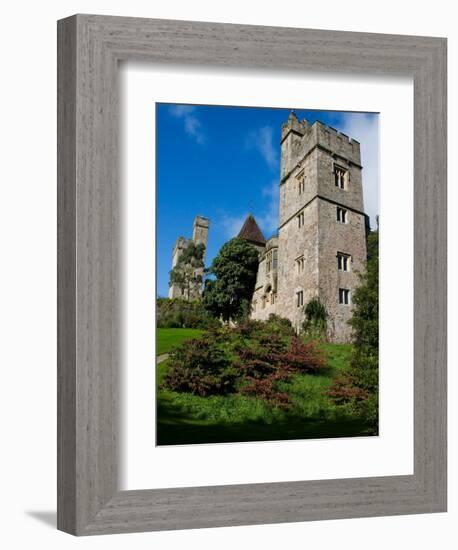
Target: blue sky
(224,162)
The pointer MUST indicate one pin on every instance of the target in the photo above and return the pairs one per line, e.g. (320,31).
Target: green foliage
(200,367)
(365,298)
(251,358)
(276,323)
(186,274)
(315,320)
(179,313)
(228,294)
(358,388)
(187,418)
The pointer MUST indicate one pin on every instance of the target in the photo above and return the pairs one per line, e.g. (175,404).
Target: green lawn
(169,338)
(184,418)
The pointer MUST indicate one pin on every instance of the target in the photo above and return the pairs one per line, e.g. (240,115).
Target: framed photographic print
(252,275)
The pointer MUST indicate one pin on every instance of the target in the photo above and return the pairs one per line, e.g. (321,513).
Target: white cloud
(262,141)
(364,128)
(231,225)
(192,125)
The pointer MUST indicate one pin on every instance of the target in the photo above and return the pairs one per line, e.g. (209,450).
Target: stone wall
(333,238)
(265,297)
(291,201)
(295,242)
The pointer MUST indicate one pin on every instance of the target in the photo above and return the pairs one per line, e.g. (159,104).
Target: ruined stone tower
(199,236)
(321,242)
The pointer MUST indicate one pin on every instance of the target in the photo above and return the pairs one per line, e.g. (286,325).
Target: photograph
(228,235)
(267,274)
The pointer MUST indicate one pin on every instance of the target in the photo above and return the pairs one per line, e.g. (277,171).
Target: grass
(170,338)
(184,418)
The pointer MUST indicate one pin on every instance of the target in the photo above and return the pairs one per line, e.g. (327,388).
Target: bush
(251,358)
(178,313)
(304,358)
(279,325)
(200,367)
(315,322)
(357,389)
(272,360)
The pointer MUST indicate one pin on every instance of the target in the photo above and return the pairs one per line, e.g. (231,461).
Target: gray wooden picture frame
(89,49)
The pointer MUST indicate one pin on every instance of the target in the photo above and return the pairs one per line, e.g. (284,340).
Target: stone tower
(321,243)
(200,230)
(199,236)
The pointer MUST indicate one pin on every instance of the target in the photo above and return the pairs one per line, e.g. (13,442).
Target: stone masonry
(320,248)
(199,235)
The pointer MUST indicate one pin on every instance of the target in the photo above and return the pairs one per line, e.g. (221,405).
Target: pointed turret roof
(250,232)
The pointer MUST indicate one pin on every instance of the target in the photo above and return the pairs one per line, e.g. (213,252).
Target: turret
(291,142)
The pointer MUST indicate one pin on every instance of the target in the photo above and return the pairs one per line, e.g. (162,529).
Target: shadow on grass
(175,427)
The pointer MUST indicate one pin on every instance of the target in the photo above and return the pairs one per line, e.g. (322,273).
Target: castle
(320,247)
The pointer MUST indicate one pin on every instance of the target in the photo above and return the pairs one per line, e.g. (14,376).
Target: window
(300,219)
(341,215)
(300,298)
(301,183)
(254,306)
(271,260)
(274,298)
(343,261)
(340,177)
(263,302)
(300,265)
(344,296)
(268,264)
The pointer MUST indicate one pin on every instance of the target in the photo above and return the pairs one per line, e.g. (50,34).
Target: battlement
(299,139)
(293,124)
(338,133)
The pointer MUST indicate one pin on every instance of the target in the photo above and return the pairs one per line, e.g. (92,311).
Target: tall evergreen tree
(358,387)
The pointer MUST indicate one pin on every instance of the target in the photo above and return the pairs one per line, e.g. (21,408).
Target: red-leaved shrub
(344,391)
(252,358)
(273,361)
(304,358)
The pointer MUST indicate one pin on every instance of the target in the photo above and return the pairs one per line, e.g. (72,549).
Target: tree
(234,269)
(358,386)
(187,273)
